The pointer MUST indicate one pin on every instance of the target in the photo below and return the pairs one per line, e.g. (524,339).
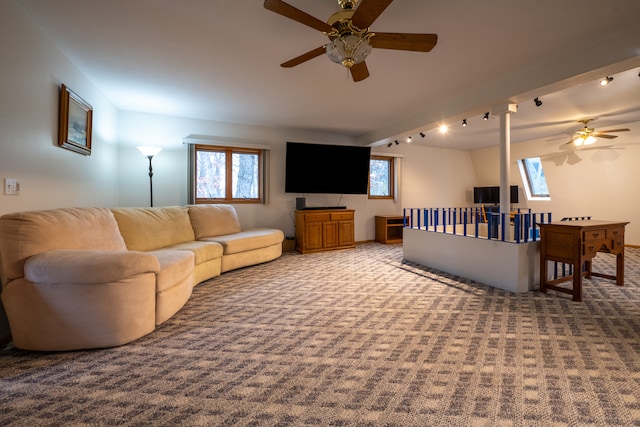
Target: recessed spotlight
(486,116)
(537,102)
(604,82)
(464,122)
(443,128)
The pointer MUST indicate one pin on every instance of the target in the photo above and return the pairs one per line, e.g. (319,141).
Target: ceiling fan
(587,135)
(350,40)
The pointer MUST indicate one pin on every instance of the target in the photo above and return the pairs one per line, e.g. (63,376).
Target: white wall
(31,71)
(600,181)
(170,175)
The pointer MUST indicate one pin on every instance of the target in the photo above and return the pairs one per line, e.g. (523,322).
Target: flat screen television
(327,169)
(491,195)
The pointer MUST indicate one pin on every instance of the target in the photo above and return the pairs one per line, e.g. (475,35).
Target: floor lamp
(149,152)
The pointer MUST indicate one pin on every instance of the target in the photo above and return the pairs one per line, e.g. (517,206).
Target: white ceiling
(219,60)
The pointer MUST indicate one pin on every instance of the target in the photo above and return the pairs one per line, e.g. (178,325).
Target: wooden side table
(389,228)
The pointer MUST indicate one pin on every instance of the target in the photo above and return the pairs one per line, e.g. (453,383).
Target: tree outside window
(227,174)
(381,177)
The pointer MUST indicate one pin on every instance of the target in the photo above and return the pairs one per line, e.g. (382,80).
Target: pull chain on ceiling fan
(351,40)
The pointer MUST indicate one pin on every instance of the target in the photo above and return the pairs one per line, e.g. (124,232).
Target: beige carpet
(353,338)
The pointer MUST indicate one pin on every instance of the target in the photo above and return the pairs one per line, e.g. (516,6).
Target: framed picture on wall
(74,132)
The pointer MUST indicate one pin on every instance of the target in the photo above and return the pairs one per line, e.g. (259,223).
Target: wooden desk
(576,243)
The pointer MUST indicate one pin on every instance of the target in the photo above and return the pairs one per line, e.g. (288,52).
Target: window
(227,174)
(381,177)
(533,176)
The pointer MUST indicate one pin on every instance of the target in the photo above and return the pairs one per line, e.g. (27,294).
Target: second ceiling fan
(350,40)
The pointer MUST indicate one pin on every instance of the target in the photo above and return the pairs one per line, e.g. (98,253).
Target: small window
(227,174)
(381,177)
(533,176)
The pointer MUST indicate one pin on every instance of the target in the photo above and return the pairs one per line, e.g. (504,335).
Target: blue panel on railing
(524,222)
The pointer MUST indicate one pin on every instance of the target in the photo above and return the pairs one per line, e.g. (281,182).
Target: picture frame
(75,123)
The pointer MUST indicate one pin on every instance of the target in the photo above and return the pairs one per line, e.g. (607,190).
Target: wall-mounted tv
(491,195)
(327,169)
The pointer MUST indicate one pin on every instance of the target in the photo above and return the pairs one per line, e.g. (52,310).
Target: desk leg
(620,269)
(543,274)
(577,281)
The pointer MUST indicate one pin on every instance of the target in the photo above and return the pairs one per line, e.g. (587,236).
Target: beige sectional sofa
(79,278)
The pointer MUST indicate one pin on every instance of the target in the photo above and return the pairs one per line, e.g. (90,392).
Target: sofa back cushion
(24,234)
(148,229)
(213,220)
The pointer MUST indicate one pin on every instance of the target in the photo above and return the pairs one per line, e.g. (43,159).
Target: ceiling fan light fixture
(349,49)
(589,140)
(604,82)
(579,141)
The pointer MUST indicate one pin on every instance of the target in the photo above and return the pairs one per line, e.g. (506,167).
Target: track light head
(397,143)
(464,122)
(486,116)
(604,82)
(422,134)
(408,140)
(389,144)
(538,102)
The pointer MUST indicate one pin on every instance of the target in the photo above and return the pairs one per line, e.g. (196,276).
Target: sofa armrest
(88,266)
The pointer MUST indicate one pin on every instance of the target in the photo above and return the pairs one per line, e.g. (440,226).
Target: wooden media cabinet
(324,230)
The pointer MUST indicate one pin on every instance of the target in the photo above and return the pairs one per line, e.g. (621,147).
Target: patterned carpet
(353,338)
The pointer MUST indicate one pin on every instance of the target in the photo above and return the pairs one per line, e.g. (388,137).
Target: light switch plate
(11,187)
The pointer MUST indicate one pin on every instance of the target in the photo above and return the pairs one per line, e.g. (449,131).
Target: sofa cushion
(175,265)
(248,240)
(24,234)
(213,220)
(147,229)
(88,267)
(202,251)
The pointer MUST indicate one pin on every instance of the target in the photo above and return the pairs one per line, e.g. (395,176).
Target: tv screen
(491,195)
(328,169)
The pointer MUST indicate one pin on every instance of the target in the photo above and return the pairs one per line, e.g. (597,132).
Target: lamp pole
(150,181)
(149,152)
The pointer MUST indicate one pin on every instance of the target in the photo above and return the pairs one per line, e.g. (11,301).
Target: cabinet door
(313,235)
(330,234)
(346,233)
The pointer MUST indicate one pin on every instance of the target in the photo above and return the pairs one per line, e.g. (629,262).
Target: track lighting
(486,116)
(464,122)
(422,134)
(538,102)
(397,143)
(604,82)
(443,128)
(389,144)
(408,140)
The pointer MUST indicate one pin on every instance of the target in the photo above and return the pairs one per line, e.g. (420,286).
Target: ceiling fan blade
(402,41)
(606,136)
(613,130)
(286,10)
(359,71)
(368,12)
(304,57)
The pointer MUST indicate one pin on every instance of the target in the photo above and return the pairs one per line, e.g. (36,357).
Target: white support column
(505,111)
